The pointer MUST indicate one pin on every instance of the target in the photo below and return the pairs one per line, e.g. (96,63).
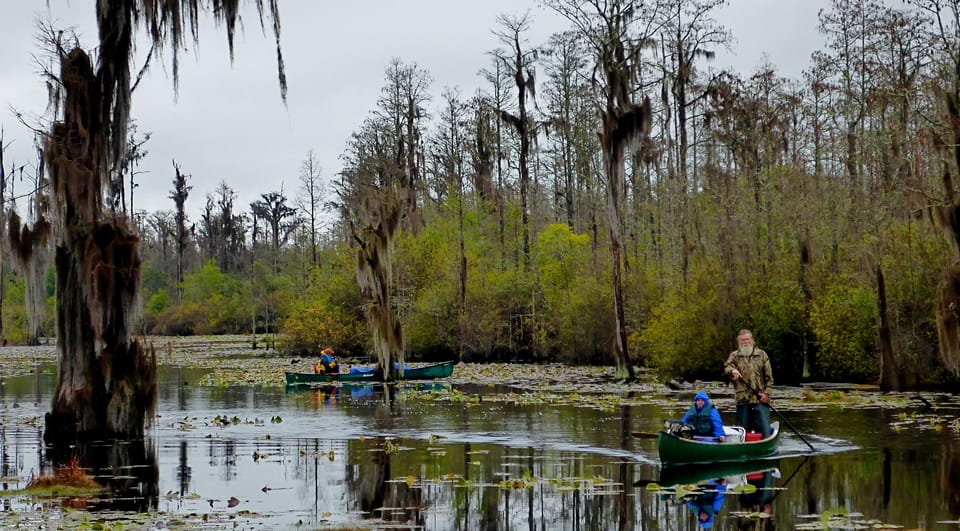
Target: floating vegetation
(926,422)
(834,519)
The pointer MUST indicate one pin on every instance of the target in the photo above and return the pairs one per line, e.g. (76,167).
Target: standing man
(749,368)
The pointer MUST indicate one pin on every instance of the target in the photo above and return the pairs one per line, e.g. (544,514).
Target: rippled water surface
(370,457)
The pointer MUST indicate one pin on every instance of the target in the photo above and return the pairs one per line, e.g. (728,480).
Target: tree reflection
(183,470)
(950,477)
(372,485)
(128,468)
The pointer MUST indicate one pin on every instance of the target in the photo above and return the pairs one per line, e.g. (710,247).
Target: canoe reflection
(686,474)
(704,489)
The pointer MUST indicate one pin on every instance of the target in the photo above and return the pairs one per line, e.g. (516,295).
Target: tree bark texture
(948,303)
(107,383)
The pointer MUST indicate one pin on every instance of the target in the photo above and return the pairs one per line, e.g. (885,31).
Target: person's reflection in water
(759,502)
(708,501)
(325,396)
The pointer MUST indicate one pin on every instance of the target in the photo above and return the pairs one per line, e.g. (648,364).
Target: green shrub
(682,337)
(571,296)
(327,311)
(844,322)
(498,318)
(15,329)
(311,323)
(568,338)
(431,326)
(777,316)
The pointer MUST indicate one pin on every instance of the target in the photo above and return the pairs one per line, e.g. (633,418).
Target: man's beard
(746,351)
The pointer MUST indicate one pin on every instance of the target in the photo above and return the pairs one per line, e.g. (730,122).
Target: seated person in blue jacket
(709,503)
(704,418)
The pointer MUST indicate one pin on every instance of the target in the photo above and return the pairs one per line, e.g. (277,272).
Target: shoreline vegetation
(232,361)
(266,366)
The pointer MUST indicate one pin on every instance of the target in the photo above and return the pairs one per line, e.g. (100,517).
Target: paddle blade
(643,435)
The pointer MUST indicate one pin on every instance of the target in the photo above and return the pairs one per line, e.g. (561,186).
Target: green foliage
(565,335)
(571,296)
(213,303)
(15,329)
(312,324)
(427,257)
(432,326)
(562,256)
(775,312)
(326,312)
(844,322)
(913,262)
(426,295)
(267,291)
(154,279)
(497,323)
(682,336)
(158,302)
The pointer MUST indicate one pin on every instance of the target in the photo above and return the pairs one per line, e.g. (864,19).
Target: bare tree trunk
(179,195)
(889,364)
(3,223)
(519,66)
(616,129)
(948,317)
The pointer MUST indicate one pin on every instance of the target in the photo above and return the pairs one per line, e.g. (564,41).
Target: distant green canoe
(676,450)
(427,372)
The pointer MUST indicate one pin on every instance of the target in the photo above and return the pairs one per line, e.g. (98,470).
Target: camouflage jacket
(754,370)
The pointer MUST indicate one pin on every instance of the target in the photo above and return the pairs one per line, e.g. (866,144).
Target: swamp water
(362,457)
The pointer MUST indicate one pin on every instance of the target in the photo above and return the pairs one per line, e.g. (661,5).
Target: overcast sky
(228,122)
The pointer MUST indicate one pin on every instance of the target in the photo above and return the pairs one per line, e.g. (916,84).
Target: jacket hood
(697,509)
(704,396)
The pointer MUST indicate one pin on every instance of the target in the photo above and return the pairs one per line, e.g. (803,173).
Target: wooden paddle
(669,422)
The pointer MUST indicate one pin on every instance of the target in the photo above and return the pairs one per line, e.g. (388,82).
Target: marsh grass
(68,479)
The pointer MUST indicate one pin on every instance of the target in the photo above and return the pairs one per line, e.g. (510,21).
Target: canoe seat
(704,438)
(734,434)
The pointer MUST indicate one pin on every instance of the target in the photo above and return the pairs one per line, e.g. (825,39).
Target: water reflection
(129,469)
(704,490)
(950,478)
(374,455)
(757,506)
(708,501)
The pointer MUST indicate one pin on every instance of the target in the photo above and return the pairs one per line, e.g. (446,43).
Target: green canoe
(427,372)
(675,450)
